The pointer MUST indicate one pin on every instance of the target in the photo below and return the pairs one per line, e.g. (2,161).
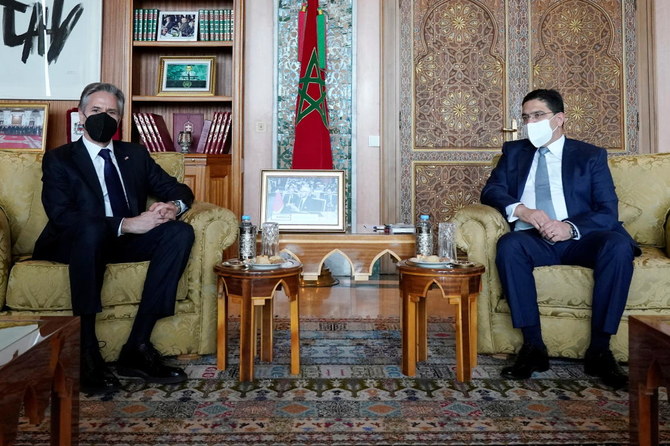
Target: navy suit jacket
(72,195)
(587,184)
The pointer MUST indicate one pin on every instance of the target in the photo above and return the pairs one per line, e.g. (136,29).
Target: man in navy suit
(94,193)
(561,214)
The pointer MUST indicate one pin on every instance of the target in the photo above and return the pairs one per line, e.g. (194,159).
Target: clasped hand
(157,214)
(552,230)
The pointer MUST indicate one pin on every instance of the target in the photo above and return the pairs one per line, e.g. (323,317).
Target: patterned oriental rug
(351,392)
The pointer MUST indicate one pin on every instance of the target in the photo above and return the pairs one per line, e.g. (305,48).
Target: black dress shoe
(144,361)
(603,365)
(529,359)
(95,376)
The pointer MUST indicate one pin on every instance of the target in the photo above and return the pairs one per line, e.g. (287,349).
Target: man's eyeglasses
(534,116)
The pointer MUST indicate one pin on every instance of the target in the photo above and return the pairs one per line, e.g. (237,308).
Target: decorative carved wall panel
(577,47)
(459,74)
(465,65)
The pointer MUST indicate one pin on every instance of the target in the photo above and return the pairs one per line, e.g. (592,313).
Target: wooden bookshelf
(213,178)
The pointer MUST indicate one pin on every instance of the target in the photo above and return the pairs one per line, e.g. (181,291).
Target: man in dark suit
(558,196)
(95,192)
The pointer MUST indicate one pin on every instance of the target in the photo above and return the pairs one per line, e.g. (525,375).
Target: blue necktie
(542,188)
(114,187)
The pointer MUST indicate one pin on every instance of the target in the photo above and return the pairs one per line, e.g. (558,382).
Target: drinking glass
(270,238)
(446,242)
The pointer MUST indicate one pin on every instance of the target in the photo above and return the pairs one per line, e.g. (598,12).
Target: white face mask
(540,132)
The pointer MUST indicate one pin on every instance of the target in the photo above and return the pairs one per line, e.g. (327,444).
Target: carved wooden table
(256,288)
(361,248)
(649,368)
(40,363)
(460,286)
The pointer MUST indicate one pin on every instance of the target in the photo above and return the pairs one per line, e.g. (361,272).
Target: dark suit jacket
(71,192)
(587,184)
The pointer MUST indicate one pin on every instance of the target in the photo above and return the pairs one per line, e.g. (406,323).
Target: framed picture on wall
(303,200)
(186,76)
(51,56)
(23,126)
(177,26)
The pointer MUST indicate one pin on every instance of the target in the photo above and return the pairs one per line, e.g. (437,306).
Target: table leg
(267,330)
(247,334)
(295,333)
(463,341)
(473,330)
(421,329)
(408,334)
(221,325)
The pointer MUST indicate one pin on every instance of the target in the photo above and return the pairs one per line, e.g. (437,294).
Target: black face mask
(101,127)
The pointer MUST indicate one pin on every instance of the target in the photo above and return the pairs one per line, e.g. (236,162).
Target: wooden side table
(43,364)
(460,286)
(649,368)
(256,288)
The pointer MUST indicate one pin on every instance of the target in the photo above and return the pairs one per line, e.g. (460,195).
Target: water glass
(446,241)
(270,238)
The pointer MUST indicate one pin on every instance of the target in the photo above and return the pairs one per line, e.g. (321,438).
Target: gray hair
(101,86)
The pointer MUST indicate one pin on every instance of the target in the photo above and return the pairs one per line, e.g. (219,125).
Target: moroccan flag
(311,149)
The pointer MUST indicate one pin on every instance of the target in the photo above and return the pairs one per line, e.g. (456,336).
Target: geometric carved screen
(465,66)
(579,48)
(459,74)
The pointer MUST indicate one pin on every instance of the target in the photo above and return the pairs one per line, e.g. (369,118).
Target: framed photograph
(23,126)
(51,49)
(303,200)
(177,26)
(186,76)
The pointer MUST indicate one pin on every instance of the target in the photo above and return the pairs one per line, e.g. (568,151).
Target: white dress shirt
(554,159)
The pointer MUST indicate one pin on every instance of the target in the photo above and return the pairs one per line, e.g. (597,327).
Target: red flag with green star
(311,149)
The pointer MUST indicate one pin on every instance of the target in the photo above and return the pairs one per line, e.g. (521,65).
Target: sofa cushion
(122,285)
(566,290)
(643,181)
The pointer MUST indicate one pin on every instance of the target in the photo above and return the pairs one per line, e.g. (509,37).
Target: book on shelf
(153,132)
(213,24)
(202,139)
(187,122)
(161,131)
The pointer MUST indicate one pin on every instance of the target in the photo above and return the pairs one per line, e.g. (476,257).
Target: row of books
(153,132)
(217,24)
(208,136)
(213,24)
(214,135)
(145,24)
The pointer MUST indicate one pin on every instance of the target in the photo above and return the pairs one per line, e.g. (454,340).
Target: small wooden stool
(461,286)
(253,288)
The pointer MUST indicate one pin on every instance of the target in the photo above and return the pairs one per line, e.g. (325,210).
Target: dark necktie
(114,187)
(542,188)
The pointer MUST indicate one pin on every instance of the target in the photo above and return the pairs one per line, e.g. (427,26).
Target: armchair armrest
(479,228)
(667,233)
(5,255)
(215,229)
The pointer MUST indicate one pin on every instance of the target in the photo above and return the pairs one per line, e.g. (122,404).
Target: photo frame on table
(179,26)
(303,200)
(23,126)
(186,76)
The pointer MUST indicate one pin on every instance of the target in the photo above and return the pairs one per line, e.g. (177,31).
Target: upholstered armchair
(564,292)
(30,287)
